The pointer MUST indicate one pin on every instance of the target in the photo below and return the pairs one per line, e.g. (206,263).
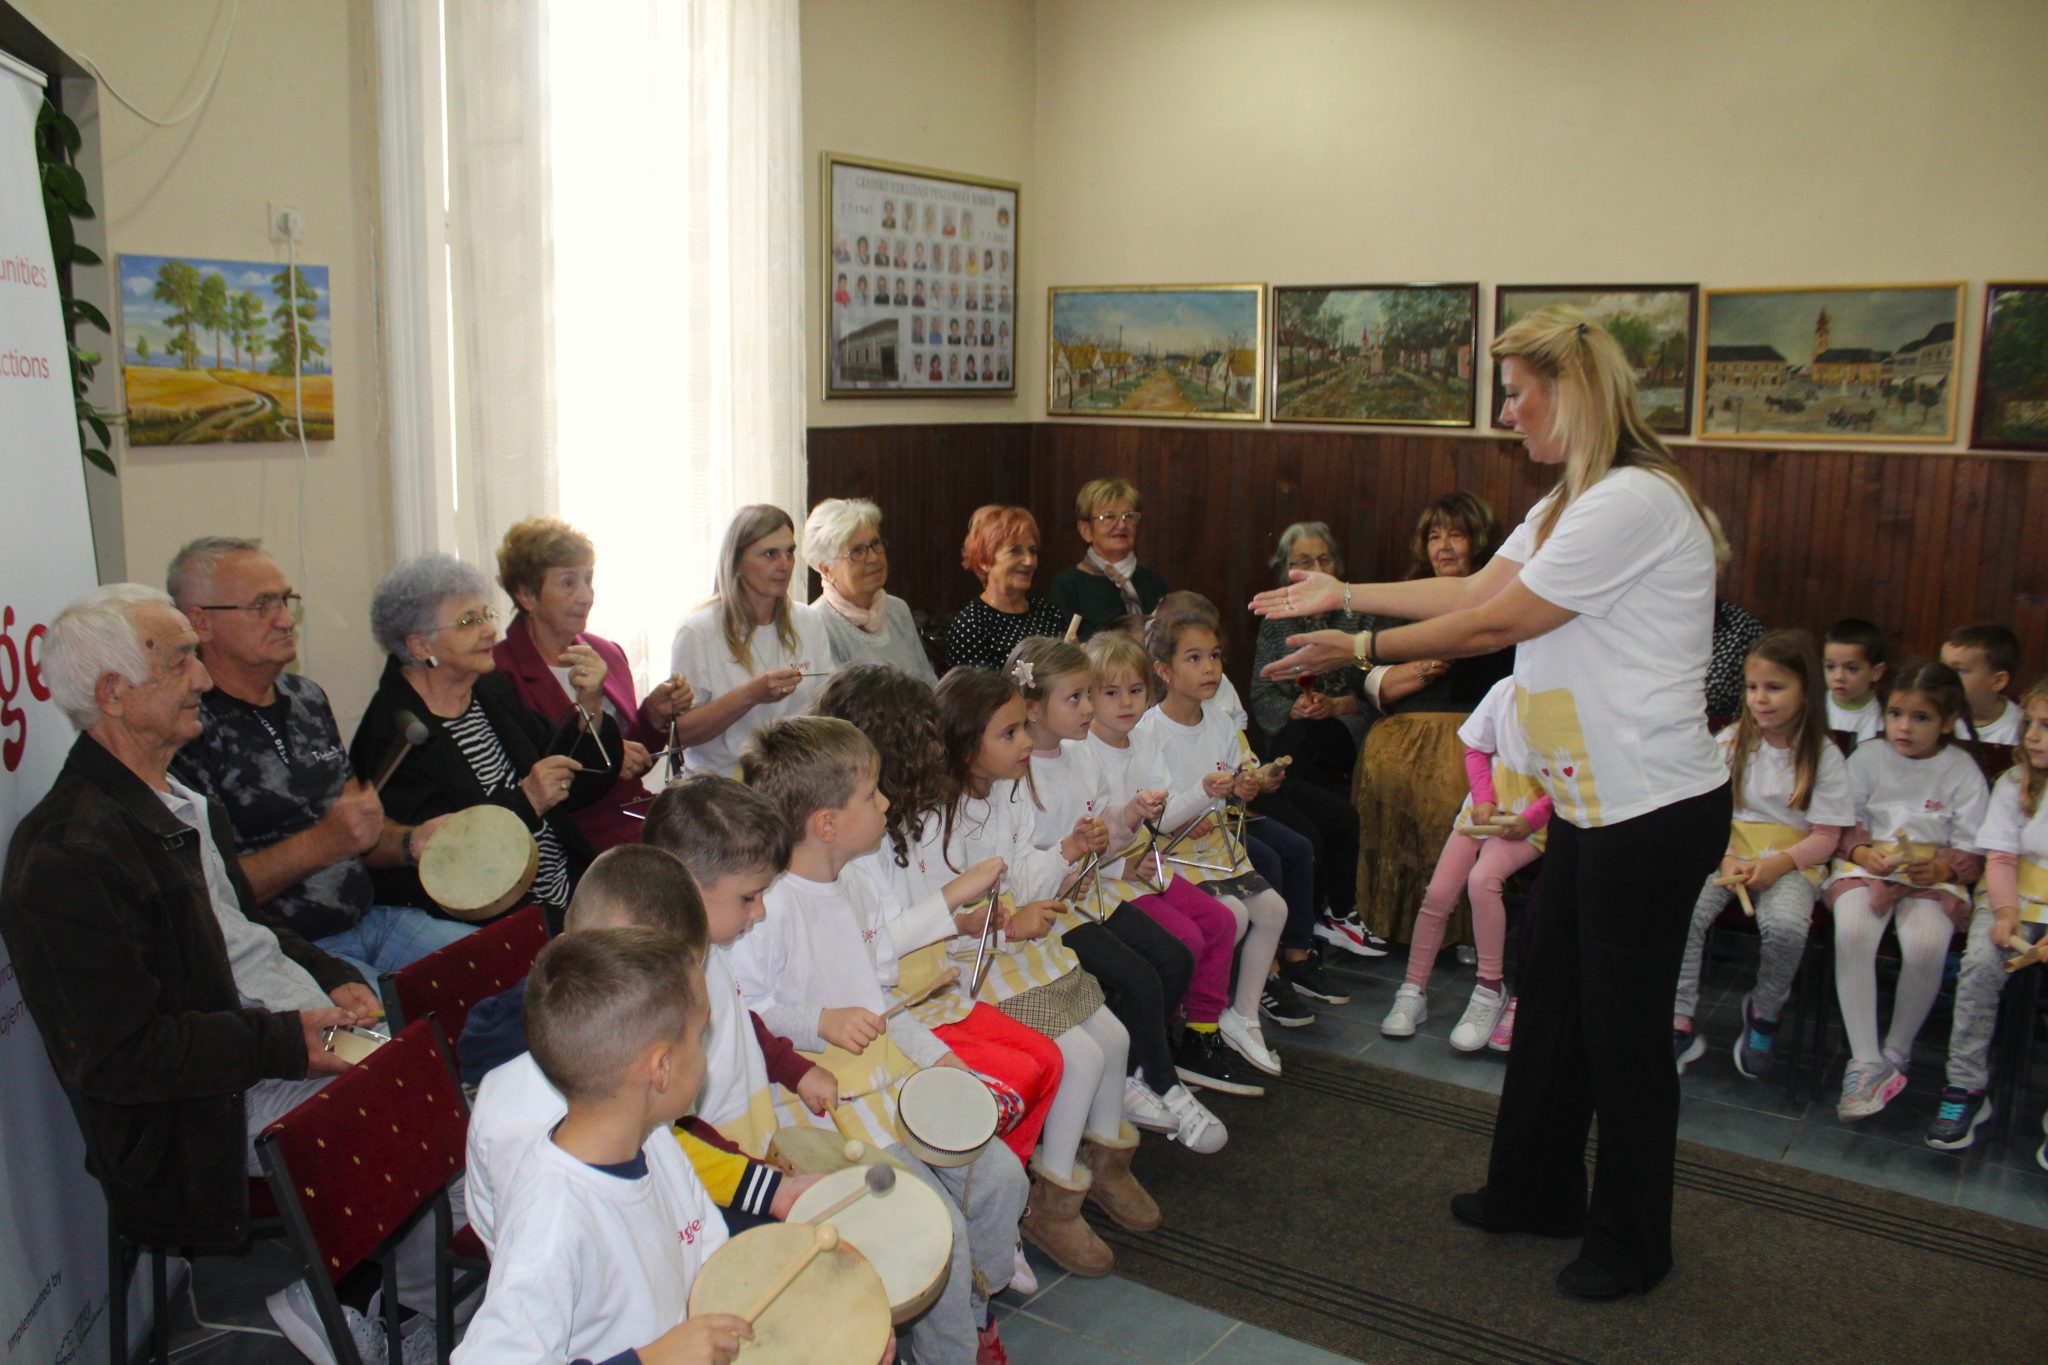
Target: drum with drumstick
(811,1297)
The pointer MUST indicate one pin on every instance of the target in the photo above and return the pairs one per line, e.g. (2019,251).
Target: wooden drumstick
(1742,894)
(923,993)
(879,1180)
(1732,879)
(1074,628)
(2037,953)
(1487,828)
(412,733)
(825,1239)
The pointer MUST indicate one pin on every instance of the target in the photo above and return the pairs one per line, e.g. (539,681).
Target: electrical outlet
(286,224)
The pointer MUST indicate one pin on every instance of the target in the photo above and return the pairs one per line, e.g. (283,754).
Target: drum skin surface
(946,1115)
(480,863)
(836,1312)
(905,1232)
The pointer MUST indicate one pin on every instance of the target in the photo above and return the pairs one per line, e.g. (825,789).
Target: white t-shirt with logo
(701,654)
(1613,702)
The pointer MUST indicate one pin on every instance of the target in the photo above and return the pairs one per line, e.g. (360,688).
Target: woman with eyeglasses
(432,617)
(751,654)
(1108,583)
(843,542)
(1319,719)
(549,570)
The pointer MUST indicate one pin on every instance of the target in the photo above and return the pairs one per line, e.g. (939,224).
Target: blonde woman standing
(1607,589)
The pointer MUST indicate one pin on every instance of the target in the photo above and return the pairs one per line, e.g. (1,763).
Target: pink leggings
(1479,866)
(1208,929)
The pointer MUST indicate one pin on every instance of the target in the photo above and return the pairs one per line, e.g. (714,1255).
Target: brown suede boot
(1053,1223)
(1114,1187)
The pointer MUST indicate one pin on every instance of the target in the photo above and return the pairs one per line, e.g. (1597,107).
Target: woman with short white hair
(843,542)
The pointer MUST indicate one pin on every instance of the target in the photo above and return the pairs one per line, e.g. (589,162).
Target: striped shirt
(485,754)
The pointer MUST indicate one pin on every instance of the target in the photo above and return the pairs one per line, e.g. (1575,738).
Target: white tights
(1260,918)
(1924,930)
(1091,1093)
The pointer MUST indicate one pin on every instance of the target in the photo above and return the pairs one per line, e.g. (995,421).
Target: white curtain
(625,236)
(678,226)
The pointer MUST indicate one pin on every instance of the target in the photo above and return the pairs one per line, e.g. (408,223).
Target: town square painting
(1827,364)
(1156,351)
(1393,354)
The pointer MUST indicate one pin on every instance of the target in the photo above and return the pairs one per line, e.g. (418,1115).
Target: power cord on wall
(198,101)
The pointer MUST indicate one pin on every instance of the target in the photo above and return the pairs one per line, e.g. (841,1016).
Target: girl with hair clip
(1790,788)
(927,903)
(1505,793)
(2010,916)
(1085,1151)
(1917,801)
(1204,753)
(1143,969)
(1606,590)
(747,651)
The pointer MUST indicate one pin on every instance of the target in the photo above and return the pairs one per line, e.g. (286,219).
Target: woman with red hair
(1002,551)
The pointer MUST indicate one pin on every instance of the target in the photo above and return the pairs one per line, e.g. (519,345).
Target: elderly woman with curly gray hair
(432,617)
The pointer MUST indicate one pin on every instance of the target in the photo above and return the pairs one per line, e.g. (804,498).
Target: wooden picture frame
(951,246)
(1656,324)
(1152,352)
(1831,363)
(2011,408)
(1374,354)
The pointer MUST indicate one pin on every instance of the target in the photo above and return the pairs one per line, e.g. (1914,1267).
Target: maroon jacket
(604,822)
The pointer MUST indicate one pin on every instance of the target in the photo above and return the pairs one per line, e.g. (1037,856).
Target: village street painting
(208,350)
(1394,353)
(1873,364)
(1652,323)
(1168,351)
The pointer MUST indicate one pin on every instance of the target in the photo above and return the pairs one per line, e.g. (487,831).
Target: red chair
(447,982)
(354,1166)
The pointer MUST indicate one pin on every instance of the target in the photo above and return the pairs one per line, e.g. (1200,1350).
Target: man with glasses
(307,829)
(1108,583)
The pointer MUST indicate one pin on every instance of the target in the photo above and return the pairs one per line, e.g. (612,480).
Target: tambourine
(479,862)
(946,1116)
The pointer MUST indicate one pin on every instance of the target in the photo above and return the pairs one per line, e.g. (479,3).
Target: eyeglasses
(265,605)
(1117,518)
(488,616)
(861,554)
(1306,562)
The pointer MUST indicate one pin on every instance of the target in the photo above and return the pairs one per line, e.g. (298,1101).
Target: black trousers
(1144,972)
(1592,1037)
(1330,824)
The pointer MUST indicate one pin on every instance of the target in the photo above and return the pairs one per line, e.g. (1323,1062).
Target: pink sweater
(1479,773)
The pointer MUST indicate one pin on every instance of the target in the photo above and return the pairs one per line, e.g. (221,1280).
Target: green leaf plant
(65,199)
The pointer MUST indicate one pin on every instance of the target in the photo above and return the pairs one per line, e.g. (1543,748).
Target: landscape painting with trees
(210,352)
(1394,354)
(1656,325)
(2012,378)
(1155,351)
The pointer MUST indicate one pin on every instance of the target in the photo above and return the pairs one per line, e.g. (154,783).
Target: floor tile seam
(1072,1331)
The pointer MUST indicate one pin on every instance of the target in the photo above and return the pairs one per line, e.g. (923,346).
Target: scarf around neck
(872,620)
(1118,573)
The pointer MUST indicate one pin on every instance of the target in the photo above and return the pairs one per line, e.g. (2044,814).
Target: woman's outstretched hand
(1319,651)
(1307,594)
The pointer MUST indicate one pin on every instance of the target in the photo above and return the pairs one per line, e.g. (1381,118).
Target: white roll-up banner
(53,1275)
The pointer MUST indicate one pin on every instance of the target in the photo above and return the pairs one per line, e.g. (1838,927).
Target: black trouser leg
(1330,824)
(1132,987)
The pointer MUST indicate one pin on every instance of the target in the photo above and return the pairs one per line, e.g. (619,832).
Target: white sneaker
(291,1308)
(419,1343)
(1407,1014)
(1246,1041)
(1021,1278)
(1199,1130)
(1480,1016)
(1146,1110)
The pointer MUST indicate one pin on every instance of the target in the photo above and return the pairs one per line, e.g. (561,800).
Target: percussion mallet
(411,734)
(826,1238)
(1732,879)
(880,1180)
(1074,628)
(923,993)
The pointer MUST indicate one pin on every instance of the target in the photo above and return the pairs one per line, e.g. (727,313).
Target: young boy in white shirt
(605,1225)
(1985,656)
(808,969)
(1853,659)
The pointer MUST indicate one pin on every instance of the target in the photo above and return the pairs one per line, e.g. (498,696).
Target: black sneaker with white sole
(1308,978)
(1282,1004)
(1204,1062)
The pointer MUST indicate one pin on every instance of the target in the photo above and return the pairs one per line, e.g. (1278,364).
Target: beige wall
(937,83)
(294,122)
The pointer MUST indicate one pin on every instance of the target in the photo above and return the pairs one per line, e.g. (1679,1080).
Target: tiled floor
(1072,1321)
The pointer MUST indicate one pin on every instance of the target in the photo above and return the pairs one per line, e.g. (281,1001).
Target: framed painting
(1655,324)
(1156,351)
(1384,354)
(210,350)
(1833,363)
(2012,370)
(920,280)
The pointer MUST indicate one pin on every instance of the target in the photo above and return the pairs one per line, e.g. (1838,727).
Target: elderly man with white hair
(843,542)
(307,827)
(180,1014)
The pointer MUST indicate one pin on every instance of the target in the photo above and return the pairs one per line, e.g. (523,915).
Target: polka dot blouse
(983,637)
